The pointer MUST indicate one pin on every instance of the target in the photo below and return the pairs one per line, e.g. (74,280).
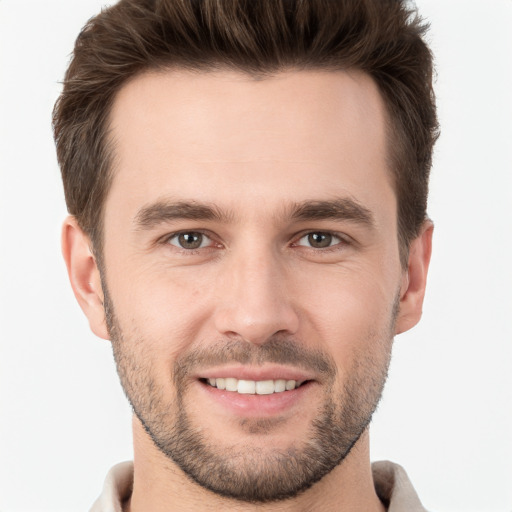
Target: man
(247,184)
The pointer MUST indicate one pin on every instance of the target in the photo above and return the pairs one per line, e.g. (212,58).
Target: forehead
(225,137)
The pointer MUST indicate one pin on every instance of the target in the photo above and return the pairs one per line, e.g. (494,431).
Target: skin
(254,149)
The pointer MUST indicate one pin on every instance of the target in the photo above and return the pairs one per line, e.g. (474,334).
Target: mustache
(278,350)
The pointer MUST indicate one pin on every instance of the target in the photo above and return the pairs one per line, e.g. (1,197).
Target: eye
(319,240)
(190,240)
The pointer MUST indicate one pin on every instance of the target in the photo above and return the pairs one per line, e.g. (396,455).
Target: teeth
(247,387)
(231,384)
(279,386)
(251,387)
(265,387)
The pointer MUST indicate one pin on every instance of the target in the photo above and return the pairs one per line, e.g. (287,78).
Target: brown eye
(189,240)
(319,240)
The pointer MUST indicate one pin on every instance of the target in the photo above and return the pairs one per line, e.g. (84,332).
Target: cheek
(348,309)
(166,307)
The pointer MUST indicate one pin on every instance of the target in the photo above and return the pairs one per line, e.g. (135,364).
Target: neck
(160,486)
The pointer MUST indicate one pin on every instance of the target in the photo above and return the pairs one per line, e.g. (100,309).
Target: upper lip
(267,372)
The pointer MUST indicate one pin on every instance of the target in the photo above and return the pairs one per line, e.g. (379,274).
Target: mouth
(256,392)
(254,387)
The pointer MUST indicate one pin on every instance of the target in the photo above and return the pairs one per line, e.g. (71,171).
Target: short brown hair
(382,38)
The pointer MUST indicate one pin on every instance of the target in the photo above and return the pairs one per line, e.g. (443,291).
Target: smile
(254,387)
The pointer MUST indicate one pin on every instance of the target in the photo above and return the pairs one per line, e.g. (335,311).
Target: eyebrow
(162,211)
(336,209)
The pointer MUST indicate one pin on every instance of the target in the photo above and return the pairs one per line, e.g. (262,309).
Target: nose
(254,302)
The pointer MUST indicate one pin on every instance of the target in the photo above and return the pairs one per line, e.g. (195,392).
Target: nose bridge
(254,302)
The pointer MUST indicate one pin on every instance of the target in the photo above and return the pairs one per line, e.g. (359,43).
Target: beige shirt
(391,483)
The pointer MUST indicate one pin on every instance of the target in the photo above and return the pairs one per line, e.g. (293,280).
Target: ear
(84,275)
(414,280)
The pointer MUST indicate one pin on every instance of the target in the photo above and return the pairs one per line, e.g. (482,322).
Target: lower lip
(257,405)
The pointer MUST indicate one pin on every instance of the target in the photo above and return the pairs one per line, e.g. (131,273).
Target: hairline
(107,141)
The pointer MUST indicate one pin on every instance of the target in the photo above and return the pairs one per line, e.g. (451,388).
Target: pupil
(320,240)
(191,240)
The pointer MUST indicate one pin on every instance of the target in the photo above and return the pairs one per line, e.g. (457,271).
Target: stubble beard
(249,473)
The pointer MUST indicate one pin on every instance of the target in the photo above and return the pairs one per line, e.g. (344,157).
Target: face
(251,271)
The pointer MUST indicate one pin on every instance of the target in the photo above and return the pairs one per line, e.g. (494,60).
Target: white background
(447,410)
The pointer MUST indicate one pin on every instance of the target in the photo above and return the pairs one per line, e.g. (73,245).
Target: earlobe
(84,275)
(414,280)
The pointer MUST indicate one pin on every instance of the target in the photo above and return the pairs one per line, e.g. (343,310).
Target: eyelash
(167,240)
(342,241)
